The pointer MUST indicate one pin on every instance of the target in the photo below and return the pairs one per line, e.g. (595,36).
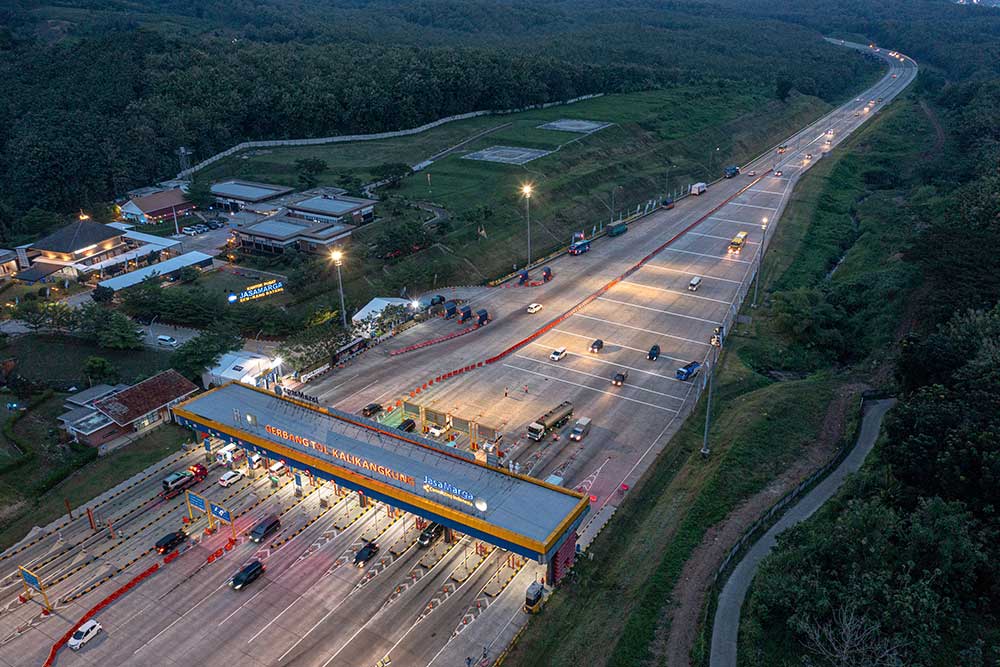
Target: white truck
(698,188)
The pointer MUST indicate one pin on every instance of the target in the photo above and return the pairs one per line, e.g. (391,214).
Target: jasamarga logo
(448,490)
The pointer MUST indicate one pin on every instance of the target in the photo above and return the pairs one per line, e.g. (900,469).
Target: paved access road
(726,627)
(426,606)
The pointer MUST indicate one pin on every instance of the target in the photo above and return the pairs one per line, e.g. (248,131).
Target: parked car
(166,341)
(230,478)
(248,574)
(214,224)
(200,228)
(407,426)
(558,354)
(597,346)
(365,554)
(84,634)
(436,431)
(534,308)
(371,410)
(189,231)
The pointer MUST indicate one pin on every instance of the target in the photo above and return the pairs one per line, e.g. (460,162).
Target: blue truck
(579,247)
(688,371)
(732,171)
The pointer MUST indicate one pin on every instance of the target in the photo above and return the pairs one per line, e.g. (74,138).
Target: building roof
(151,239)
(377,305)
(160,200)
(248,191)
(76,236)
(237,365)
(410,470)
(149,395)
(7,255)
(93,393)
(193,258)
(37,271)
(91,423)
(281,228)
(333,206)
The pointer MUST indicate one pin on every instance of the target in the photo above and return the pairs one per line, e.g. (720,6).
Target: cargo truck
(617,230)
(698,188)
(553,419)
(732,171)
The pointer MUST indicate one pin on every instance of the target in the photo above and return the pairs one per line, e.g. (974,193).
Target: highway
(312,606)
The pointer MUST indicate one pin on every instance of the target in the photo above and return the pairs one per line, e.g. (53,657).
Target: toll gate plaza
(514,512)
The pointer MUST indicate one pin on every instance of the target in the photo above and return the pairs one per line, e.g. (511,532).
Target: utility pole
(760,260)
(705,451)
(526,191)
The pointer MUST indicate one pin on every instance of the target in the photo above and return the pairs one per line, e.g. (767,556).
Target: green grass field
(59,359)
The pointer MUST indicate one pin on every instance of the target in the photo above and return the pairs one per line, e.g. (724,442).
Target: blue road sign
(196,501)
(208,445)
(31,580)
(298,479)
(220,513)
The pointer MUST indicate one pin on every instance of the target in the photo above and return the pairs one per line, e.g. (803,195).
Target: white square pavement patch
(507,154)
(574,125)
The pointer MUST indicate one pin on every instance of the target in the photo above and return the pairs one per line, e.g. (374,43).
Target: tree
(98,370)
(108,328)
(200,192)
(309,170)
(782,89)
(203,351)
(37,222)
(102,294)
(188,274)
(32,313)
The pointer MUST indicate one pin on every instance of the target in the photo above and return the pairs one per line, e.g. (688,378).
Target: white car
(436,431)
(558,354)
(230,478)
(87,631)
(534,308)
(189,231)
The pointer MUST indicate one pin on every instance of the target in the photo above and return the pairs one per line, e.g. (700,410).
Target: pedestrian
(505,392)
(525,389)
(468,661)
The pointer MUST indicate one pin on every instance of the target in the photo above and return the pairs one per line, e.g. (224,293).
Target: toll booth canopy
(518,513)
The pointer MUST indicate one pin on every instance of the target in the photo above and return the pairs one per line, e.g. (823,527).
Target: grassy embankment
(612,609)
(651,130)
(58,360)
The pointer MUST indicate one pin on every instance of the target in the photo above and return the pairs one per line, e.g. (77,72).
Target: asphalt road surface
(312,606)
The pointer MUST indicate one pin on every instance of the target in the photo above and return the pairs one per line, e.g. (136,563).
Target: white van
(256,461)
(166,341)
(694,284)
(277,468)
(580,429)
(698,188)
(558,354)
(229,454)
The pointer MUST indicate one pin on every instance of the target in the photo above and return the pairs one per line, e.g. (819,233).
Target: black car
(248,574)
(654,353)
(365,554)
(265,527)
(597,346)
(430,534)
(407,425)
(214,224)
(170,541)
(619,379)
(371,410)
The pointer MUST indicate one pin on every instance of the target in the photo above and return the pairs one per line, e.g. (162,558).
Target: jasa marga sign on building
(260,290)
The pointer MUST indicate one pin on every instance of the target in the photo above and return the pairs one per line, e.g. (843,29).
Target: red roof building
(157,206)
(148,403)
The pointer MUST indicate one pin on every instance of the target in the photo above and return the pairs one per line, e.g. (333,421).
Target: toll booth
(483,316)
(465,314)
(522,277)
(546,274)
(533,598)
(450,309)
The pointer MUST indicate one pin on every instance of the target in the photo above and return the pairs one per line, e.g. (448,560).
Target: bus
(579,247)
(736,245)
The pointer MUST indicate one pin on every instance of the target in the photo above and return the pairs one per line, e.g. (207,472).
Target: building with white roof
(234,194)
(334,208)
(241,366)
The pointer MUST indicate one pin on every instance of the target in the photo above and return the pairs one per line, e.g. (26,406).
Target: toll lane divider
(433,341)
(261,500)
(83,510)
(591,298)
(288,538)
(97,609)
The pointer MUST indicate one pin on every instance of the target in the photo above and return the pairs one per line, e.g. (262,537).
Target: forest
(101,94)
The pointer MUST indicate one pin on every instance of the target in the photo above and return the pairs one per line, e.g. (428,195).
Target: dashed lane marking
(717,258)
(658,267)
(608,363)
(687,293)
(626,326)
(658,310)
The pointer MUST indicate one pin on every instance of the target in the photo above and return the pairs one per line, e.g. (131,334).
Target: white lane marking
(721,238)
(610,342)
(244,604)
(769,192)
(701,254)
(592,357)
(658,310)
(271,622)
(599,391)
(626,326)
(658,267)
(179,618)
(677,292)
(766,208)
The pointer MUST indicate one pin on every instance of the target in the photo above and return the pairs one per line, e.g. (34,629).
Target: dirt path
(938,130)
(677,631)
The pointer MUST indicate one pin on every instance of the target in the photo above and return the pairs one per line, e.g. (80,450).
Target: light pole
(666,181)
(705,451)
(526,191)
(338,258)
(760,260)
(613,191)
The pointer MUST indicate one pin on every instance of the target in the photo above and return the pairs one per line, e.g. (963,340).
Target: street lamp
(613,191)
(338,258)
(760,259)
(526,191)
